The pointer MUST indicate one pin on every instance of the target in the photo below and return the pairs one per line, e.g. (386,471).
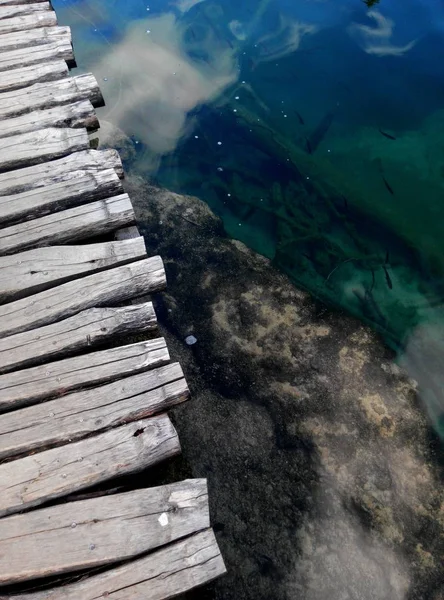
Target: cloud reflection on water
(377,40)
(152,84)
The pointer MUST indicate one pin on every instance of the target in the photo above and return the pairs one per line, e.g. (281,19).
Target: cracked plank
(78,223)
(35,270)
(90,533)
(75,115)
(50,94)
(82,187)
(25,22)
(31,148)
(82,331)
(14,9)
(34,37)
(35,479)
(37,55)
(83,413)
(101,289)
(68,169)
(35,384)
(22,77)
(161,575)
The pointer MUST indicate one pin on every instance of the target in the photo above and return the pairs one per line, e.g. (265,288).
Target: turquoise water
(314,128)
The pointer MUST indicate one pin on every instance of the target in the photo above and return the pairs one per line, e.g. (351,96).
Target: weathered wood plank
(30,272)
(16,10)
(162,575)
(83,413)
(18,2)
(58,540)
(50,94)
(85,330)
(101,289)
(82,187)
(32,385)
(20,78)
(38,146)
(64,169)
(75,115)
(24,22)
(30,481)
(37,55)
(81,222)
(34,37)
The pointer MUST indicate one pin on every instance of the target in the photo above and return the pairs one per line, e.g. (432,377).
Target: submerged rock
(324,476)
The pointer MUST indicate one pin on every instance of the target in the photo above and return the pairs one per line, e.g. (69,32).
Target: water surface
(313,128)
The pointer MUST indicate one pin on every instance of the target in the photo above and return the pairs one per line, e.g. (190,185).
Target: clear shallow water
(314,129)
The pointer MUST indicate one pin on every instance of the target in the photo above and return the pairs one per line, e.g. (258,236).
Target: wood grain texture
(101,289)
(25,22)
(25,76)
(85,330)
(58,540)
(33,480)
(22,388)
(81,222)
(33,37)
(83,413)
(66,169)
(35,270)
(82,187)
(8,11)
(37,55)
(161,575)
(38,146)
(76,115)
(50,94)
(18,2)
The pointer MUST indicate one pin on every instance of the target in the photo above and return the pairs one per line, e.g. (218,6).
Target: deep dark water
(314,130)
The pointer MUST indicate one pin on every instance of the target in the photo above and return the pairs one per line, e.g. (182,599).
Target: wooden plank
(80,414)
(161,575)
(101,289)
(37,55)
(16,10)
(81,222)
(24,22)
(62,170)
(81,187)
(30,272)
(33,37)
(49,94)
(119,527)
(55,379)
(76,115)
(38,146)
(29,75)
(85,330)
(22,77)
(35,479)
(17,2)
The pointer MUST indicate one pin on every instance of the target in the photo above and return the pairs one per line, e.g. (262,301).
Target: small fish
(387,278)
(345,202)
(387,135)
(308,146)
(301,120)
(373,281)
(387,185)
(386,257)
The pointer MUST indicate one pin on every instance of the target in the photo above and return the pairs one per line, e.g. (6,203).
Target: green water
(314,129)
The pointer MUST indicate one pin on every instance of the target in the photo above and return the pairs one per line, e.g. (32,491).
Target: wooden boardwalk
(78,409)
